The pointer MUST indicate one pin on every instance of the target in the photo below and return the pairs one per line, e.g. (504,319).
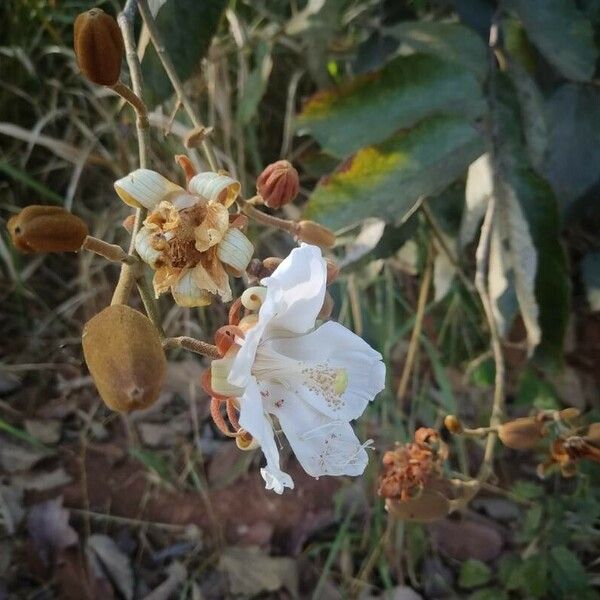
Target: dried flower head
(125,357)
(46,229)
(278,184)
(99,46)
(409,467)
(189,238)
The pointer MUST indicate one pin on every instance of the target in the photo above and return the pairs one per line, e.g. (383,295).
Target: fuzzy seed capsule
(46,229)
(278,184)
(313,233)
(521,434)
(99,46)
(125,357)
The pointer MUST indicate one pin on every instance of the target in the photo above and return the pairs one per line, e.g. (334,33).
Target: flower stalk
(193,345)
(112,252)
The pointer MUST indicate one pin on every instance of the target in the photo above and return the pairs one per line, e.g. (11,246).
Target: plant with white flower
(312,380)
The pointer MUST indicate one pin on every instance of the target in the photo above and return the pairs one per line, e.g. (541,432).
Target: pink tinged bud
(278,184)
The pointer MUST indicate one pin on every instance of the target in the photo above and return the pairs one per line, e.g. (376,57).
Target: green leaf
(187,28)
(256,84)
(489,594)
(561,33)
(527,490)
(386,180)
(368,108)
(473,573)
(452,42)
(534,391)
(567,572)
(590,271)
(529,575)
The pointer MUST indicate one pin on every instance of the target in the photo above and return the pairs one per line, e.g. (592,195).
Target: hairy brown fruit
(313,233)
(521,434)
(99,46)
(125,357)
(278,184)
(39,228)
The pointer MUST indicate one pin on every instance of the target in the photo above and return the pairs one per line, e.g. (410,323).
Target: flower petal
(212,277)
(215,186)
(323,446)
(235,250)
(143,246)
(186,292)
(254,420)
(213,227)
(298,287)
(332,347)
(146,188)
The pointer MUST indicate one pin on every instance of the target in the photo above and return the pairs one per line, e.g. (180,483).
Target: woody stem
(260,217)
(193,345)
(111,252)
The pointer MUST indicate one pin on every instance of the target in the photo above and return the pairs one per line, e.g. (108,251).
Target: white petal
(330,348)
(186,292)
(298,288)
(144,248)
(215,186)
(146,188)
(323,446)
(254,420)
(235,250)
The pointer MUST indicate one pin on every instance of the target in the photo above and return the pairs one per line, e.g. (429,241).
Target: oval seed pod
(313,233)
(521,434)
(125,357)
(99,46)
(278,184)
(40,228)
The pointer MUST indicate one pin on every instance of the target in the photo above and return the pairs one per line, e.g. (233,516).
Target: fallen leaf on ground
(115,564)
(47,431)
(14,458)
(11,507)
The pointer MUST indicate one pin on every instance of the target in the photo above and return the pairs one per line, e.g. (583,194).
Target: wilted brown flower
(189,237)
(278,184)
(99,46)
(40,228)
(125,357)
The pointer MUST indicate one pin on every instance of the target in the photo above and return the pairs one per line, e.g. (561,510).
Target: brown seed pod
(125,357)
(313,233)
(521,434)
(278,184)
(99,46)
(40,228)
(452,424)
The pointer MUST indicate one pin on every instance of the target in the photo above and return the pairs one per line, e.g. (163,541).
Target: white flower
(315,381)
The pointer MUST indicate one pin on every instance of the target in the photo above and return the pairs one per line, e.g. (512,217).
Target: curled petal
(164,278)
(211,276)
(213,227)
(186,292)
(216,187)
(144,247)
(235,250)
(146,188)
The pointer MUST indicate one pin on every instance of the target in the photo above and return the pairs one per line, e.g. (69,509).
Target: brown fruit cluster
(278,184)
(46,229)
(99,46)
(125,357)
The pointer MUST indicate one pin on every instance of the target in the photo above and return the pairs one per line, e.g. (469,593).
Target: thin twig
(111,252)
(169,67)
(416,332)
(265,219)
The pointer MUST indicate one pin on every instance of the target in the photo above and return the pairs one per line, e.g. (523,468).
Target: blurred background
(384,107)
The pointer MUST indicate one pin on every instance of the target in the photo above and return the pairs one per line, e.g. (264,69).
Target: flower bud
(47,229)
(245,441)
(125,357)
(313,233)
(278,184)
(99,46)
(225,337)
(452,424)
(521,434)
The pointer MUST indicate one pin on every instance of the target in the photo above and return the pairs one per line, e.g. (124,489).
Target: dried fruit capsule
(47,229)
(99,46)
(521,434)
(313,233)
(125,357)
(278,184)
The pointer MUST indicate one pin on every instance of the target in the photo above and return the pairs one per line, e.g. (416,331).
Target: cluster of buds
(413,483)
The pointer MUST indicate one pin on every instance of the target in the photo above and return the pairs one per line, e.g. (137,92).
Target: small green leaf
(473,573)
(527,490)
(489,594)
(452,42)
(368,108)
(386,180)
(567,572)
(562,34)
(187,28)
(534,391)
